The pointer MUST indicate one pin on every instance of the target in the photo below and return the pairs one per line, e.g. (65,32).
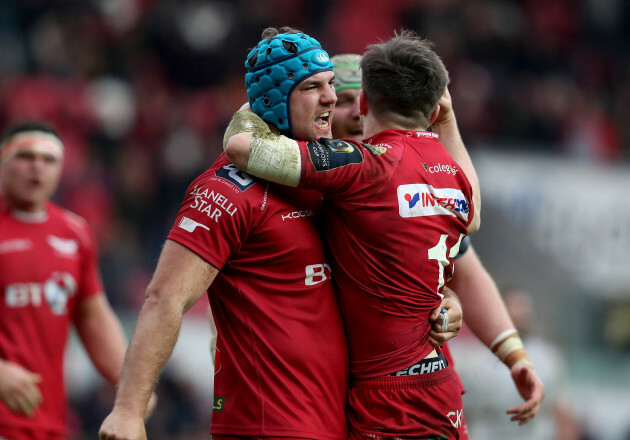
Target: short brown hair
(271,32)
(403,79)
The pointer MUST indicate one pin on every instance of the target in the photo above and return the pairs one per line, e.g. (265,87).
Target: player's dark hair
(28,125)
(271,32)
(268,34)
(403,79)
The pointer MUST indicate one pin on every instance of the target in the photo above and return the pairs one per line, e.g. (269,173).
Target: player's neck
(30,217)
(373,126)
(27,212)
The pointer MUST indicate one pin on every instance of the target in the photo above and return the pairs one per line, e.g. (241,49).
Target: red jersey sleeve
(213,219)
(341,169)
(90,282)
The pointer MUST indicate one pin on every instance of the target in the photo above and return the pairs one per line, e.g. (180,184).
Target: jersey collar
(406,133)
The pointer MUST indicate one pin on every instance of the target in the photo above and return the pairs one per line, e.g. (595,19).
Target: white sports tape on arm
(503,335)
(276,158)
(509,348)
(242,121)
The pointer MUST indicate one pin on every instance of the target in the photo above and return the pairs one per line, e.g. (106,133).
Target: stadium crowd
(142,90)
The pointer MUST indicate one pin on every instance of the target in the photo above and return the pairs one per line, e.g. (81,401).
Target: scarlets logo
(63,246)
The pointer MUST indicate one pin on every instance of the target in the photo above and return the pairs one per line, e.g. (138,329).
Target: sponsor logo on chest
(15,245)
(419,200)
(55,291)
(67,247)
(439,168)
(297,214)
(212,203)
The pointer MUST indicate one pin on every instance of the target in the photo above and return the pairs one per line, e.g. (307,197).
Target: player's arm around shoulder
(251,146)
(446,127)
(475,223)
(180,279)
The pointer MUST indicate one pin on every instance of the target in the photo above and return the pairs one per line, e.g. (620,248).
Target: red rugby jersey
(400,206)
(46,267)
(281,367)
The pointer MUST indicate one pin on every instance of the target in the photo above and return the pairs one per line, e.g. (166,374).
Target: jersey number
(438,252)
(241,179)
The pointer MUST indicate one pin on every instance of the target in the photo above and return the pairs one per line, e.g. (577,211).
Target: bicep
(181,274)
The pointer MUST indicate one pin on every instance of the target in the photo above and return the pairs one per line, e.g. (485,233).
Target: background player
(49,279)
(477,291)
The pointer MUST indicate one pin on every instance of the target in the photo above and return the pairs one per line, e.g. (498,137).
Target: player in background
(281,358)
(491,388)
(49,280)
(393,231)
(485,312)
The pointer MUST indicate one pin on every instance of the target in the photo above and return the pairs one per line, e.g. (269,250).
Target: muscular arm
(251,146)
(102,336)
(446,127)
(180,279)
(486,315)
(488,318)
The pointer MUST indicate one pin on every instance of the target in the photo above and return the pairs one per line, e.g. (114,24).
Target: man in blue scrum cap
(281,366)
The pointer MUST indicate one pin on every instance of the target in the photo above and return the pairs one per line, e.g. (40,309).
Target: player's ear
(363,104)
(434,115)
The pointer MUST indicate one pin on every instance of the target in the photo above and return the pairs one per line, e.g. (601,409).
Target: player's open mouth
(34,183)
(323,120)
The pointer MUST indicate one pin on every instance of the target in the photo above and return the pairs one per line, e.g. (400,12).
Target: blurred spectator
(140,90)
(490,388)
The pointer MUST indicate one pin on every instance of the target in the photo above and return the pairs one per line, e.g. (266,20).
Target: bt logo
(56,291)
(316,273)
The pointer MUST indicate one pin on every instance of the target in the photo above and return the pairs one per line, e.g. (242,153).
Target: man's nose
(329,96)
(38,163)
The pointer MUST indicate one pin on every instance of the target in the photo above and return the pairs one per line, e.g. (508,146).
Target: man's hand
(437,336)
(446,114)
(19,389)
(119,426)
(531,389)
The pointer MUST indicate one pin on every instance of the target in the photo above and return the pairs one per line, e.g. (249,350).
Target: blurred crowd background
(141,90)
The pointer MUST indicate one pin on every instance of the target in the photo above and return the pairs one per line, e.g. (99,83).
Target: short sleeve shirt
(399,208)
(46,268)
(281,362)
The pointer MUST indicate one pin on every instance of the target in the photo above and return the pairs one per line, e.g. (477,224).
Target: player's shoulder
(226,185)
(327,154)
(66,216)
(71,223)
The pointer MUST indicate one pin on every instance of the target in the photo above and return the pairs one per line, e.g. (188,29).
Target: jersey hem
(239,431)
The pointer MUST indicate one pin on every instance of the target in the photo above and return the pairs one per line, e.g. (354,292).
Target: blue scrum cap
(275,67)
